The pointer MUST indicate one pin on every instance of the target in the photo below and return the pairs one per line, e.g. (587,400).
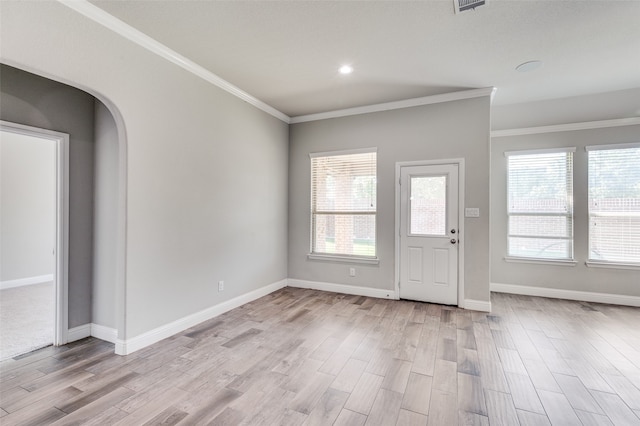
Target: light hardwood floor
(304,357)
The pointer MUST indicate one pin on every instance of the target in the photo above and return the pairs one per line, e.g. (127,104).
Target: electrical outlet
(352,272)
(220,285)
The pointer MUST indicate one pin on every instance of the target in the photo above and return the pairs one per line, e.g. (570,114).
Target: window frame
(600,263)
(340,257)
(566,261)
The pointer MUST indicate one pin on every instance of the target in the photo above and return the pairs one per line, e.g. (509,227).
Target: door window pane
(428,205)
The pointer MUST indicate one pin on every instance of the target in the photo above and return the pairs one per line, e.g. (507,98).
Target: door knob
(453,231)
(453,241)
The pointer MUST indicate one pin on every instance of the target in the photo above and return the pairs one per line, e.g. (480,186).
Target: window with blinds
(614,204)
(343,203)
(540,204)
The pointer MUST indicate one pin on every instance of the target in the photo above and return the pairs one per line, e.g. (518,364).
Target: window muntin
(343,204)
(614,204)
(540,204)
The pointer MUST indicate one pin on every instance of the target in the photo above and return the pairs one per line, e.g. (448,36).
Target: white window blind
(540,204)
(614,204)
(343,204)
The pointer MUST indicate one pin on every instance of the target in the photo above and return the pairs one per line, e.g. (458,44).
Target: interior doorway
(33,225)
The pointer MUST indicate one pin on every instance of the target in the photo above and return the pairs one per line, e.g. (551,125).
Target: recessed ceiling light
(529,66)
(346,69)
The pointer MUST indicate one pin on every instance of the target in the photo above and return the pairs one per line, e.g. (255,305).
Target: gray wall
(587,108)
(27,206)
(39,102)
(206,182)
(578,277)
(576,109)
(457,129)
(105,218)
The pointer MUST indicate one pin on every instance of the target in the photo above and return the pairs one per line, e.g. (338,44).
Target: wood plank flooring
(305,357)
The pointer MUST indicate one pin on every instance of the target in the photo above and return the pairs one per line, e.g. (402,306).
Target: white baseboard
(343,288)
(92,330)
(25,281)
(125,347)
(77,333)
(477,305)
(556,293)
(107,334)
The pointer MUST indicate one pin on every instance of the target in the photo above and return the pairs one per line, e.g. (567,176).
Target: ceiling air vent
(462,5)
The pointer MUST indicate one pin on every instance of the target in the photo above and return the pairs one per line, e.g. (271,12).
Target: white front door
(429,233)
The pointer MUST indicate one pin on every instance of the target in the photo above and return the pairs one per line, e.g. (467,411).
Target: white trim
(62,240)
(477,305)
(557,262)
(388,106)
(77,333)
(612,146)
(25,281)
(343,152)
(540,151)
(107,334)
(556,293)
(461,219)
(612,265)
(61,237)
(92,330)
(125,347)
(343,259)
(125,30)
(134,35)
(587,125)
(461,227)
(343,288)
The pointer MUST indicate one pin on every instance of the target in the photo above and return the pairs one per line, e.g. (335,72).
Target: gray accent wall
(578,277)
(458,129)
(206,177)
(105,218)
(39,102)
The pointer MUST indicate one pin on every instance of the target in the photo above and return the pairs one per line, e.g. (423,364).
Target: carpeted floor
(26,319)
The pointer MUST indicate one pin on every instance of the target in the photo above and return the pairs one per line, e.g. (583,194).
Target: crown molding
(125,30)
(388,106)
(587,125)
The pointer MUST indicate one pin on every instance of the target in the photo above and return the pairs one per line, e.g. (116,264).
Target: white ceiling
(287,53)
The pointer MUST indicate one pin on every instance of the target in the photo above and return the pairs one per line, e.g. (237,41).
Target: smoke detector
(462,5)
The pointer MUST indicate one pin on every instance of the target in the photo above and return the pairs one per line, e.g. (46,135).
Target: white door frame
(61,239)
(461,233)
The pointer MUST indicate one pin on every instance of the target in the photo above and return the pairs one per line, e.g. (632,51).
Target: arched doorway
(97,171)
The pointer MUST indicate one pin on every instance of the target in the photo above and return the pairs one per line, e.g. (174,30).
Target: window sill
(610,265)
(541,261)
(343,259)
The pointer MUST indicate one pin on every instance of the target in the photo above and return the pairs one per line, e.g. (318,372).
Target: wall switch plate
(220,285)
(352,272)
(472,212)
